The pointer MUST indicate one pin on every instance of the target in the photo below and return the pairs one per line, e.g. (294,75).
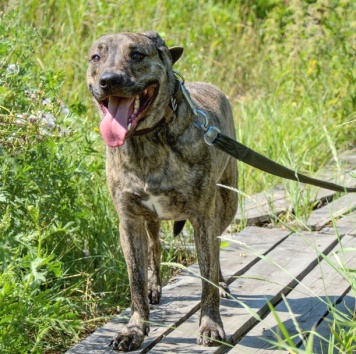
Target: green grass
(287,67)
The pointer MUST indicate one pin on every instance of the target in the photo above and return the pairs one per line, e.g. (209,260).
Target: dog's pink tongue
(113,127)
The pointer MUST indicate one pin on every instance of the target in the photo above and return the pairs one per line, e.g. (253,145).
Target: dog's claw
(224,290)
(129,339)
(211,333)
(117,344)
(121,347)
(154,294)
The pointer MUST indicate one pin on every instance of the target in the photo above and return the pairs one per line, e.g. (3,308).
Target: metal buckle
(204,125)
(211,134)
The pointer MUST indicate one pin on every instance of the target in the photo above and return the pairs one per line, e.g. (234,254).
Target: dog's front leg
(154,262)
(134,245)
(205,234)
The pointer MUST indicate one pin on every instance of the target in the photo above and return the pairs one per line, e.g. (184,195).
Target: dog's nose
(109,80)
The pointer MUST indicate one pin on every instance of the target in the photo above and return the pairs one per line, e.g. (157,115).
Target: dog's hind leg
(226,205)
(205,234)
(154,261)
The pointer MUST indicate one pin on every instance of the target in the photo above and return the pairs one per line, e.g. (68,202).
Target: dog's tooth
(137,104)
(129,126)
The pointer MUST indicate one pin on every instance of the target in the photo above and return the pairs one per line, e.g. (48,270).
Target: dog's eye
(95,58)
(137,56)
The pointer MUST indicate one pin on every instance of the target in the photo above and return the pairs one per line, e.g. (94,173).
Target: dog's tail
(178,227)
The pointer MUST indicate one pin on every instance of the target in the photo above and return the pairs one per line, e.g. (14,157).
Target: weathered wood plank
(344,226)
(320,217)
(308,301)
(346,306)
(260,207)
(264,281)
(181,297)
(348,158)
(235,261)
(342,177)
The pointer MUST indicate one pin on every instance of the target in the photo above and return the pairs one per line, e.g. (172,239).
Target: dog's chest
(161,206)
(163,187)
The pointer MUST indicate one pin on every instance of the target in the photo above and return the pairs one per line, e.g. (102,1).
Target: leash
(253,158)
(213,136)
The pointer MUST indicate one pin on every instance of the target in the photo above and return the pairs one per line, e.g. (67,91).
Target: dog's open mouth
(122,114)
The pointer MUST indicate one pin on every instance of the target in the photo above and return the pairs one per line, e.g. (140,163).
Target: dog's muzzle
(121,115)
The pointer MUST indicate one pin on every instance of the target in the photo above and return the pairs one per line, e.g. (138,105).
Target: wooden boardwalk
(275,265)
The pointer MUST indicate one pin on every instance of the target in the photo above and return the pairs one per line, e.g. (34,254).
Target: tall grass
(287,68)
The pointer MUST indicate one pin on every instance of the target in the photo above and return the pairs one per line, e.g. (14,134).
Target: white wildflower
(12,69)
(49,120)
(47,102)
(44,132)
(64,109)
(32,118)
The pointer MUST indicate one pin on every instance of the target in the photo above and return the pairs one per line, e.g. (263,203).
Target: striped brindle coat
(159,168)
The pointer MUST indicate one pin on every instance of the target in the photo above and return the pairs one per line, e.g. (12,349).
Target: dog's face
(130,76)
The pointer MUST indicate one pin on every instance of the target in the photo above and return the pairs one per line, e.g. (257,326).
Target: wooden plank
(262,206)
(348,158)
(266,280)
(346,306)
(320,217)
(235,261)
(342,177)
(308,302)
(181,297)
(344,226)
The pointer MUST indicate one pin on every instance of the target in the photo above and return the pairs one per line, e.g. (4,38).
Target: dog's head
(131,79)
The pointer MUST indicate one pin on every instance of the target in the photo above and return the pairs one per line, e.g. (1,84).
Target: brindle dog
(159,168)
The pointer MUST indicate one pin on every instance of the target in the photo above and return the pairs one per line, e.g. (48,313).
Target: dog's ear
(155,38)
(176,53)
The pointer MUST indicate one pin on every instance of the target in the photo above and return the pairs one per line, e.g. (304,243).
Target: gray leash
(253,158)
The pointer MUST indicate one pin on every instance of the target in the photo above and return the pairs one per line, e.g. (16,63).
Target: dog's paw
(154,294)
(129,339)
(224,290)
(210,333)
